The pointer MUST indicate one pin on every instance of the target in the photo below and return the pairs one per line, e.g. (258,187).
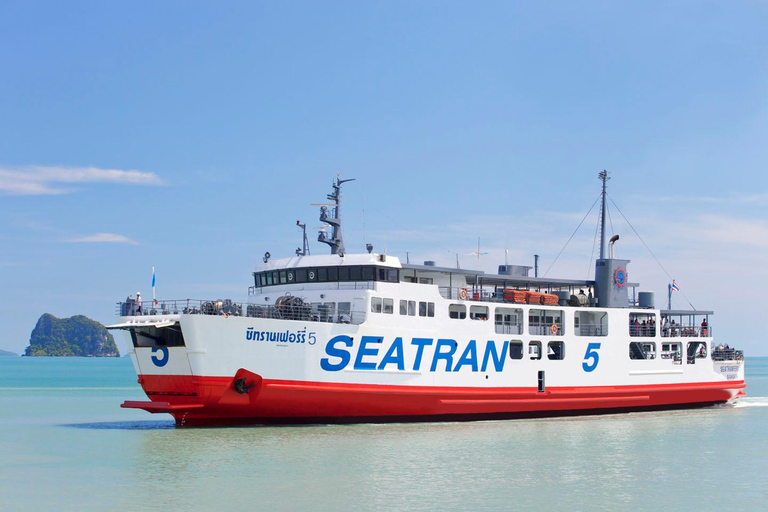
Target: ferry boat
(345,338)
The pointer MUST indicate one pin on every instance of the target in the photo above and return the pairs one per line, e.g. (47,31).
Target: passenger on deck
(138,303)
(665,328)
(704,327)
(583,301)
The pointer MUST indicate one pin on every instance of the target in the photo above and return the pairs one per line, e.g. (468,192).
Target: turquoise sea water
(65,444)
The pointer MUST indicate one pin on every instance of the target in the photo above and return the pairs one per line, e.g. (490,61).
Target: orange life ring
(553,329)
(463,294)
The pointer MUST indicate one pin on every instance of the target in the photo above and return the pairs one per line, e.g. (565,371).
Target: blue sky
(191,137)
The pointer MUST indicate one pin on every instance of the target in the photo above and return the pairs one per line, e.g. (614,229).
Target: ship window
(392,275)
(263,279)
(409,279)
(355,273)
(269,278)
(672,351)
(283,277)
(312,274)
(534,350)
(642,325)
(343,273)
(323,312)
(509,321)
(457,311)
(425,280)
(555,350)
(322,274)
(422,309)
(345,312)
(301,275)
(411,308)
(333,274)
(478,312)
(403,307)
(154,337)
(368,274)
(696,350)
(430,309)
(291,276)
(389,306)
(515,349)
(545,322)
(644,350)
(591,323)
(375,304)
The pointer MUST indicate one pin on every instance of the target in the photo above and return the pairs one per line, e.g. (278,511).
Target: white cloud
(44,180)
(111,238)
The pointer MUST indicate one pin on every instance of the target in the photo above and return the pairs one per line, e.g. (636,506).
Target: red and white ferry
(343,338)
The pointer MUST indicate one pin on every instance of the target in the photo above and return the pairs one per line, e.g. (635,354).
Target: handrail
(288,310)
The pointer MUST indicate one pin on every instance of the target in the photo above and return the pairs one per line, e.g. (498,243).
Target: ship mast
(604,178)
(333,218)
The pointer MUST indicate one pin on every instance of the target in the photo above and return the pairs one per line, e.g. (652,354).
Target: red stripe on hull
(276,401)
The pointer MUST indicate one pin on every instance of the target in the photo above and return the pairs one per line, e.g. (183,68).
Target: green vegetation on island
(74,336)
(6,353)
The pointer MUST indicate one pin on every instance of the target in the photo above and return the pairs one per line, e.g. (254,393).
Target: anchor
(241,387)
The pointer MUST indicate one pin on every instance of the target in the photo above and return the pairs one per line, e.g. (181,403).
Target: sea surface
(65,444)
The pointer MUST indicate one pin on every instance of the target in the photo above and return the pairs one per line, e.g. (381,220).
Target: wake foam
(751,401)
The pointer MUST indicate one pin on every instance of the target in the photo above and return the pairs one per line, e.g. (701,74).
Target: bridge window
(556,350)
(457,311)
(368,274)
(509,321)
(591,323)
(515,349)
(642,350)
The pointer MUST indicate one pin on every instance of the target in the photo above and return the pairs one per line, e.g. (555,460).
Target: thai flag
(674,286)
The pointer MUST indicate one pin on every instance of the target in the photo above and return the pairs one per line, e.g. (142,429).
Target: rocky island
(74,336)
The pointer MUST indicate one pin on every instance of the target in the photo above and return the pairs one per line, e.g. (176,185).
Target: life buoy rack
(553,329)
(463,294)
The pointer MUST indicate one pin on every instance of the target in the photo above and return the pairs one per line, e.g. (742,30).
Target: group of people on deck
(671,329)
(644,328)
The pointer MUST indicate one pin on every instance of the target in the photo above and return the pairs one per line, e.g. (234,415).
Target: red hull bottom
(215,401)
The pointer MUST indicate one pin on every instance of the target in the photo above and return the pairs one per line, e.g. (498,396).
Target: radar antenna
(333,218)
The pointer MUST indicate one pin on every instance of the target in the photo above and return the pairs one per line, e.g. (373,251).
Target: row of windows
(647,350)
(541,322)
(637,350)
(407,307)
(326,275)
(555,350)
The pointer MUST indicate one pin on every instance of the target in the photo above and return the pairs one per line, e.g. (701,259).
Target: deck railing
(686,331)
(301,311)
